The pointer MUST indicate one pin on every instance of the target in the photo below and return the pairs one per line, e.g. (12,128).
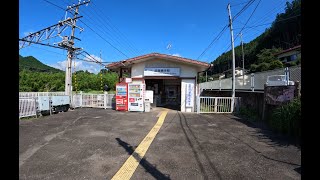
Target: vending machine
(122,96)
(136,97)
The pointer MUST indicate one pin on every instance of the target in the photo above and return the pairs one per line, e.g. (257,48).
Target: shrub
(263,67)
(275,64)
(253,67)
(286,119)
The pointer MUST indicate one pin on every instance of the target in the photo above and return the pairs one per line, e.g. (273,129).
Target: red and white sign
(119,101)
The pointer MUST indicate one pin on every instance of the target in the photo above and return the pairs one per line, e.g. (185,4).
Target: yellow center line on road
(128,168)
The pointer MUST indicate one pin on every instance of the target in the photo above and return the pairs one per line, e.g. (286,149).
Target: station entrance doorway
(166,91)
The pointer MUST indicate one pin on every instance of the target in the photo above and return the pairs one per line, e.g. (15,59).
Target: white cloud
(59,65)
(176,54)
(92,58)
(80,65)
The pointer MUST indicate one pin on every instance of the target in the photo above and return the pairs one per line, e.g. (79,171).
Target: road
(92,143)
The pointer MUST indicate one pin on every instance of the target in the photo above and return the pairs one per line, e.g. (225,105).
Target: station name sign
(161,71)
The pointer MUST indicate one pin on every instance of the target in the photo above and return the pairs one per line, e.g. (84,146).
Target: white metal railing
(92,100)
(36,94)
(253,81)
(27,107)
(28,101)
(76,100)
(216,104)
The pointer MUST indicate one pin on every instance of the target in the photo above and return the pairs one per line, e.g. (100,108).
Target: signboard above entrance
(161,71)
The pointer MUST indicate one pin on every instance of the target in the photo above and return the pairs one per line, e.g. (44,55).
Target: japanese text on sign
(189,95)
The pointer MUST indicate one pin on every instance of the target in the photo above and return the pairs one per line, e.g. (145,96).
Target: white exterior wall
(185,70)
(184,83)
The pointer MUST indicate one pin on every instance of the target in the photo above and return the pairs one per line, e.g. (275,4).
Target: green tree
(267,55)
(253,67)
(275,64)
(284,33)
(263,67)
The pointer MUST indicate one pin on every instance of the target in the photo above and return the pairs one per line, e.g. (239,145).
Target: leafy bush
(263,67)
(253,67)
(275,64)
(286,119)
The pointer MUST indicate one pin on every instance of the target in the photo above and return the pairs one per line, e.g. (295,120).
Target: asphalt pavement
(89,143)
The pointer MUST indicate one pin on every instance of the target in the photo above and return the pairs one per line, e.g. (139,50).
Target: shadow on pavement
(267,133)
(198,153)
(151,169)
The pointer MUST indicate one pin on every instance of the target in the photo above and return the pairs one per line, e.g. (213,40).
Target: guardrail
(252,82)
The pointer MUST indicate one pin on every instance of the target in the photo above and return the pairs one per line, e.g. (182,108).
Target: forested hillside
(35,76)
(284,33)
(33,64)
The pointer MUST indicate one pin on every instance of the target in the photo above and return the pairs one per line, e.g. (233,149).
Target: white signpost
(189,94)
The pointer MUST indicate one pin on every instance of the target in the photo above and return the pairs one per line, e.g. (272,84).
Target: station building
(173,79)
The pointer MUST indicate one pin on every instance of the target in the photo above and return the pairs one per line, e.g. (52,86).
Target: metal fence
(253,82)
(93,100)
(36,94)
(27,106)
(29,101)
(216,104)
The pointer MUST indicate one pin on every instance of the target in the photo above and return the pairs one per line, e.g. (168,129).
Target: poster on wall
(278,95)
(189,94)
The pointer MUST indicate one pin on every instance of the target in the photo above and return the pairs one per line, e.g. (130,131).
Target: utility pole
(68,44)
(233,60)
(101,73)
(242,60)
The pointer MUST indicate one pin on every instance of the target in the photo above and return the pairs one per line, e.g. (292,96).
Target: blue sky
(140,27)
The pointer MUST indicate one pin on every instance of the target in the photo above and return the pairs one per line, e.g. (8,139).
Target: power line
(115,28)
(93,31)
(54,5)
(242,10)
(239,4)
(246,22)
(111,37)
(272,22)
(104,39)
(92,61)
(95,60)
(267,15)
(250,17)
(225,27)
(48,50)
(214,40)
